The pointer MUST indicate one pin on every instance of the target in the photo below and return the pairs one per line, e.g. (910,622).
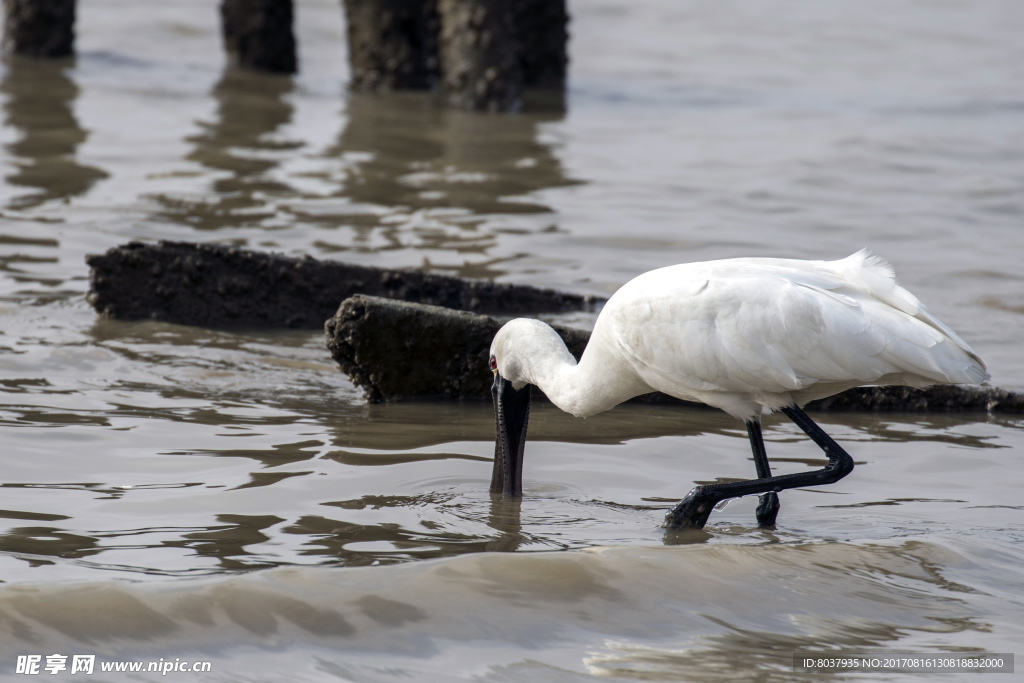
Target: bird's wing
(761,326)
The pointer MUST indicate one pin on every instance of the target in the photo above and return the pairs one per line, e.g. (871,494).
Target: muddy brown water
(186,494)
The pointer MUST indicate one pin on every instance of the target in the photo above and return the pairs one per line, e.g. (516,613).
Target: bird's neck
(596,384)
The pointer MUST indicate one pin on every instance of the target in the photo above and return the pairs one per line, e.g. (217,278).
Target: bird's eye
(493,363)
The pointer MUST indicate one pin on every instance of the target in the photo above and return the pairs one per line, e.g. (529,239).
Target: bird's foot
(767,509)
(693,511)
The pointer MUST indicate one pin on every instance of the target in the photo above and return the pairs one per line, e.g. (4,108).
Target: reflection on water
(439,172)
(407,427)
(404,171)
(293,469)
(227,538)
(44,541)
(242,149)
(406,150)
(39,105)
(505,517)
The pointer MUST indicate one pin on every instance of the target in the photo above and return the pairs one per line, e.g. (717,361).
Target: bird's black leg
(694,509)
(767,503)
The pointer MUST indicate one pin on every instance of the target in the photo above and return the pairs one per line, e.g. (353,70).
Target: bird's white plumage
(743,335)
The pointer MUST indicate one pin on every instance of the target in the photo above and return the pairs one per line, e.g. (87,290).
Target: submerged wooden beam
(220,286)
(39,28)
(397,350)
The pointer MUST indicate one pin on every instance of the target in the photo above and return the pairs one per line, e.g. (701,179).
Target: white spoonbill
(747,335)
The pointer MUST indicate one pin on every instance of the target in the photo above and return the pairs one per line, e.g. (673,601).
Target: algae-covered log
(939,398)
(395,349)
(220,286)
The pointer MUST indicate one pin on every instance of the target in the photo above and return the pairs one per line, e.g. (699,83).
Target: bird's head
(520,346)
(509,361)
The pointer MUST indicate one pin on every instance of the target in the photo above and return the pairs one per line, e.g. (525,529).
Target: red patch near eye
(494,363)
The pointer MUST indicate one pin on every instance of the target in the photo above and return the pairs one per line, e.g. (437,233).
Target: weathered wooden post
(543,37)
(39,28)
(479,52)
(258,34)
(482,53)
(392,44)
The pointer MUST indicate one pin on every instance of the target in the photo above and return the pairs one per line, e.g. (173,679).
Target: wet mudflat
(177,492)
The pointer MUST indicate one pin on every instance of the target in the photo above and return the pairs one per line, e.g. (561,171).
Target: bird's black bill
(511,413)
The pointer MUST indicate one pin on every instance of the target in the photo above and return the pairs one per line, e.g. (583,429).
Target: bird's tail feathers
(876,275)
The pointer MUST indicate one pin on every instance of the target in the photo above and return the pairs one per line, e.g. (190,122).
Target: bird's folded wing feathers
(774,329)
